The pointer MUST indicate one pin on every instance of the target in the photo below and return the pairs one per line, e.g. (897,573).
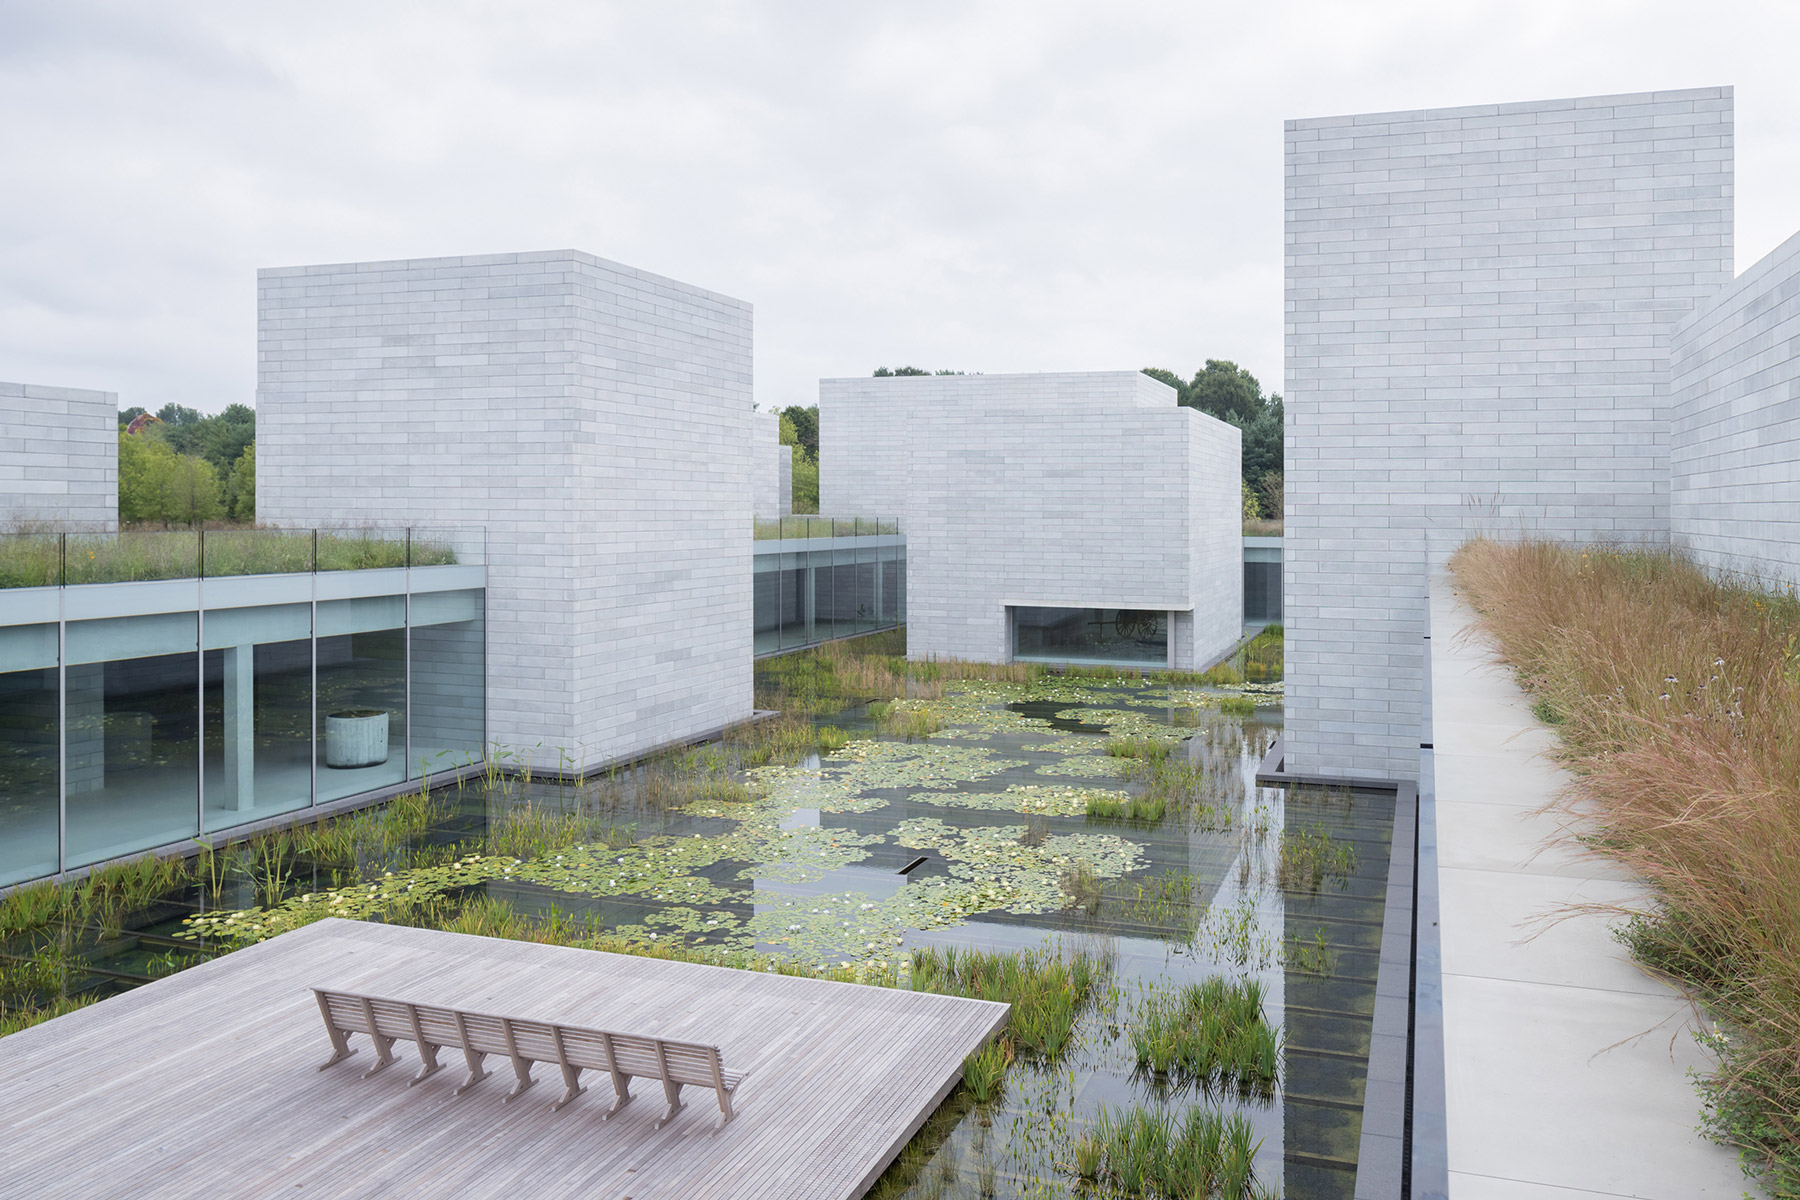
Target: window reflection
(132,734)
(1091,635)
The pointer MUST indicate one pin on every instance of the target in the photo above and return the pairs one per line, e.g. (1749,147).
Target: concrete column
(880,573)
(239,741)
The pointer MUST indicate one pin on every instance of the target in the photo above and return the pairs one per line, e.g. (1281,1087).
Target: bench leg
(476,1074)
(571,1085)
(383,1053)
(672,1093)
(428,1063)
(340,1042)
(384,1046)
(471,1057)
(522,1077)
(340,1049)
(521,1066)
(621,1093)
(725,1113)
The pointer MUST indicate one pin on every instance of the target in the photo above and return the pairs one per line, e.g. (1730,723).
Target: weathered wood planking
(204,1083)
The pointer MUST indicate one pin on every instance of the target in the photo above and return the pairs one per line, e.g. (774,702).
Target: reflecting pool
(1113,817)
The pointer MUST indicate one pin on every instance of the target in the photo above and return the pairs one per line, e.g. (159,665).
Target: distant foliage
(240,486)
(800,429)
(157,485)
(806,483)
(183,468)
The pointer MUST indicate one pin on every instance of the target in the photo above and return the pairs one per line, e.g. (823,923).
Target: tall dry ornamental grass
(1678,703)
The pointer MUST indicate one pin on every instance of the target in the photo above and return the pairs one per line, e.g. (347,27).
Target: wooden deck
(204,1083)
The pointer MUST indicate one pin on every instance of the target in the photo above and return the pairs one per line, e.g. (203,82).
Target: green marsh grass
(1143,808)
(36,558)
(985,1070)
(1048,990)
(1210,1034)
(1311,856)
(1082,887)
(1145,1151)
(899,718)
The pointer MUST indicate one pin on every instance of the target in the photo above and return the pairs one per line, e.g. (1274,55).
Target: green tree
(806,483)
(157,485)
(240,486)
(194,493)
(1225,390)
(141,470)
(1263,444)
(806,428)
(223,438)
(128,415)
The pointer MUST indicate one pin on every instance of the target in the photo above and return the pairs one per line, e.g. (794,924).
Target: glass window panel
(449,692)
(766,604)
(258,712)
(361,700)
(133,734)
(1130,637)
(29,755)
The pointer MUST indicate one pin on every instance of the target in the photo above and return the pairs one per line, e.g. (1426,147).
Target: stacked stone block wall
(59,456)
(1080,491)
(1479,309)
(1734,416)
(766,430)
(594,419)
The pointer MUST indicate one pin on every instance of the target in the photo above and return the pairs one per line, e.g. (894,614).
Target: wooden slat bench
(571,1048)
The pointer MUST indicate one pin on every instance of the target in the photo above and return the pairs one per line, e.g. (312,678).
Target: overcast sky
(988,187)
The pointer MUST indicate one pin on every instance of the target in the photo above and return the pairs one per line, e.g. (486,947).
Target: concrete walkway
(1566,1067)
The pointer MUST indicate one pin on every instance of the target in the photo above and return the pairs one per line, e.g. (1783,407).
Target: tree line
(182,468)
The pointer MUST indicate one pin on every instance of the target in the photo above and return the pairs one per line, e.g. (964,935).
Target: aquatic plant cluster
(1209,1035)
(1094,802)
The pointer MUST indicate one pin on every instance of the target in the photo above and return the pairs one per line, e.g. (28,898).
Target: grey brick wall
(1734,414)
(59,456)
(1479,308)
(1076,490)
(596,420)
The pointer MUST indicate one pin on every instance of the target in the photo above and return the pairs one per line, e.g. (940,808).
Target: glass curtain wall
(1098,636)
(104,751)
(361,702)
(132,734)
(448,706)
(259,712)
(803,597)
(30,758)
